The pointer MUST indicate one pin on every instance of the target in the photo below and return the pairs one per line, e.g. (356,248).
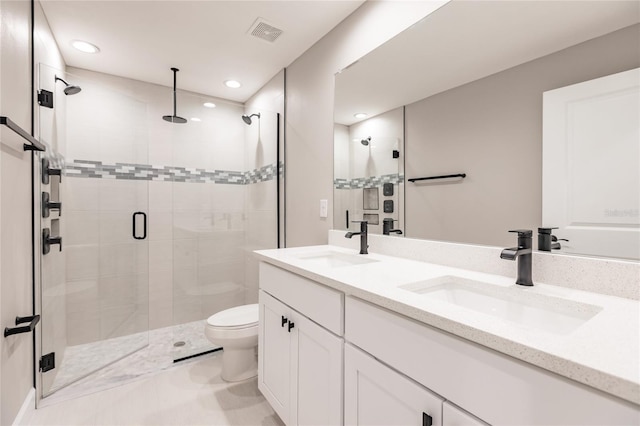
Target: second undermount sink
(334,259)
(551,314)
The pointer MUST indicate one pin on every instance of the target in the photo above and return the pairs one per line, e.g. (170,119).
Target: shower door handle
(144,226)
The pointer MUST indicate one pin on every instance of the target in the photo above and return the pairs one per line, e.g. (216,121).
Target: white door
(377,395)
(274,361)
(317,356)
(591,165)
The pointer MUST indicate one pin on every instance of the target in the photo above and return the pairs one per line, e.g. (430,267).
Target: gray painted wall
(492,130)
(309,124)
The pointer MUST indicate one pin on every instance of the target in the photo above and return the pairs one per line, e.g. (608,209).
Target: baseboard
(27,409)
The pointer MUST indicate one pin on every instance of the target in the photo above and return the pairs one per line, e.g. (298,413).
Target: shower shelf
(32,320)
(33,145)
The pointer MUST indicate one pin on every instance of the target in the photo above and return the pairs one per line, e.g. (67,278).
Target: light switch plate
(324,208)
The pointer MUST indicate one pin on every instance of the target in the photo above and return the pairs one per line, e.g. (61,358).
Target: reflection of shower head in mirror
(366,141)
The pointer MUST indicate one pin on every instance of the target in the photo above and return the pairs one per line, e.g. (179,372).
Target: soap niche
(54,189)
(55,227)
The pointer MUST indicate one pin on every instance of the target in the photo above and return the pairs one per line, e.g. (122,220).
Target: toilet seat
(237,318)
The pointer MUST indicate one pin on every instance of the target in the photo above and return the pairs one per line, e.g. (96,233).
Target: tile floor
(124,358)
(187,394)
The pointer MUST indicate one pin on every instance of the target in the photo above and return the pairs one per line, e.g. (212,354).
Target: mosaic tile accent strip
(128,171)
(368,182)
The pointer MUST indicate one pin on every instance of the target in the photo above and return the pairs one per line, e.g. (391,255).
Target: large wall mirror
(483,89)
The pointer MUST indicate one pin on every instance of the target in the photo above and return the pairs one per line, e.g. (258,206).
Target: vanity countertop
(603,352)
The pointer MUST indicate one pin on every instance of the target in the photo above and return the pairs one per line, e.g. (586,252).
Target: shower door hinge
(48,362)
(45,98)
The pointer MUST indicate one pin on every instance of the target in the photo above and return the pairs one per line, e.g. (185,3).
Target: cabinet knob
(426,419)
(284,321)
(291,325)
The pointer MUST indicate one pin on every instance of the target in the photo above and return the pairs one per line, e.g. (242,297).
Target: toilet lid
(239,316)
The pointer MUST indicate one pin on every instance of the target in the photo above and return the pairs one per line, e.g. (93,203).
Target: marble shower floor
(125,359)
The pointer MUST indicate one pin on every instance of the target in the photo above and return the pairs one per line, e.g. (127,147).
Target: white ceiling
(467,40)
(207,40)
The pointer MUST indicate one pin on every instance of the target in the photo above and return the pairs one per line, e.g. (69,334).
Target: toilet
(236,330)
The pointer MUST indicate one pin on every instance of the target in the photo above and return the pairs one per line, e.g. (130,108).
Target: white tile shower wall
(196,230)
(261,198)
(261,139)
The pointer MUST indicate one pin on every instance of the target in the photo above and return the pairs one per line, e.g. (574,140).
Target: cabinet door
(453,416)
(274,362)
(377,395)
(317,364)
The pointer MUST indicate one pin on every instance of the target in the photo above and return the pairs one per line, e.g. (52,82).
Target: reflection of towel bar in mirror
(460,175)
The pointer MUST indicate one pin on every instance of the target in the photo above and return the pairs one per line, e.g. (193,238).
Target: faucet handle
(546,230)
(523,232)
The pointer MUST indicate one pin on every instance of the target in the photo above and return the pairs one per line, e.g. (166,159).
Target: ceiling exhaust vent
(264,30)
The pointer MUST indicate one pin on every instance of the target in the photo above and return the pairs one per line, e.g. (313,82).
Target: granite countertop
(603,352)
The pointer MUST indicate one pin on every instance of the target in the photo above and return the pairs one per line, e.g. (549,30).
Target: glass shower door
(95,291)
(224,207)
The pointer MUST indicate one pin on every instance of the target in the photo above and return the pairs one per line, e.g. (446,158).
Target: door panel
(378,395)
(274,360)
(591,165)
(319,366)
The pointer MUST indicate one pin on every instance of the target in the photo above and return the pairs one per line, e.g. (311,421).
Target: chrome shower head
(366,141)
(70,89)
(247,118)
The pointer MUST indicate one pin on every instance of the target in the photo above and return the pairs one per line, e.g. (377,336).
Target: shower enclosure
(158,223)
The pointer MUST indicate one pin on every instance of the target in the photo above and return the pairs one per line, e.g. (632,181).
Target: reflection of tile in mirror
(371,218)
(387,189)
(370,199)
(388,206)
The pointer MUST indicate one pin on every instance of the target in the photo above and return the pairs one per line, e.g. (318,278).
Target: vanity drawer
(492,386)
(317,302)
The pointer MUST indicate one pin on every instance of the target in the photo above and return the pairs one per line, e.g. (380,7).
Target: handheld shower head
(247,118)
(70,89)
(366,141)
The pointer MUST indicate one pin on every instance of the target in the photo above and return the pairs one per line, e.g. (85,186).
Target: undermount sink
(333,259)
(551,314)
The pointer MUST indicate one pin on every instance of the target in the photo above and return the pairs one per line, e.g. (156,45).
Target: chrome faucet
(523,254)
(387,227)
(363,236)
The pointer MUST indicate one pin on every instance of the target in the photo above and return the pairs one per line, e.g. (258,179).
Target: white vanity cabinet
(323,356)
(496,388)
(300,363)
(374,394)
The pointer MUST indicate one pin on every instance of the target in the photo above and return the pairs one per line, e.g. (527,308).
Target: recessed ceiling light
(209,104)
(195,119)
(232,84)
(85,47)
(361,115)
